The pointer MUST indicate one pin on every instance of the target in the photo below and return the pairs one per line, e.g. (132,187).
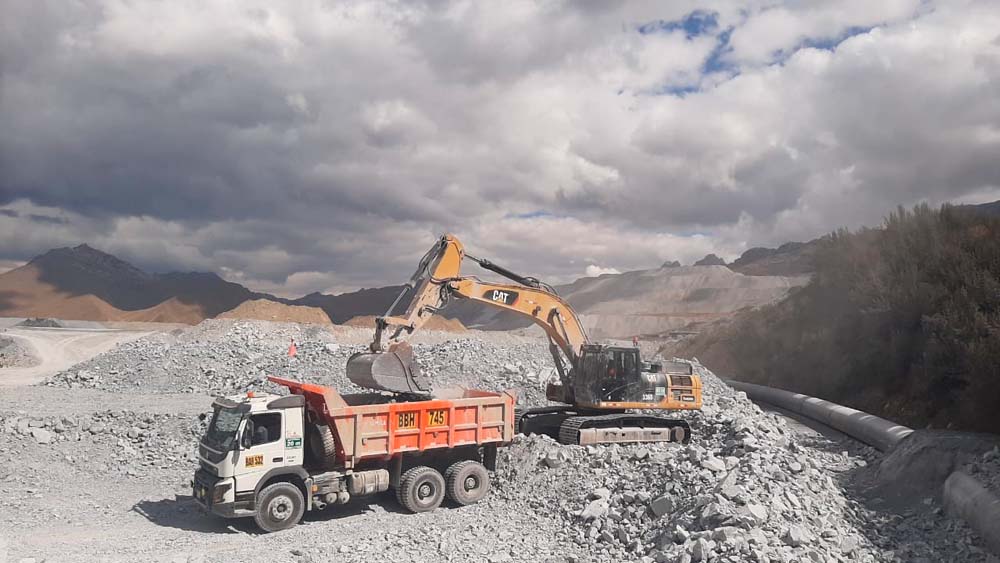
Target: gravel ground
(100,485)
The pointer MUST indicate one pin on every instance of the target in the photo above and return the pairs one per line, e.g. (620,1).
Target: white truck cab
(250,440)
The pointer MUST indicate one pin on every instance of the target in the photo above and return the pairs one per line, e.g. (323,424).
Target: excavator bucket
(393,370)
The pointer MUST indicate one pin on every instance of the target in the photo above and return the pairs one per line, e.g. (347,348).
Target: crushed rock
(747,488)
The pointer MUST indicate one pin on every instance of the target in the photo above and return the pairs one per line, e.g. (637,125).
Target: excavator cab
(610,377)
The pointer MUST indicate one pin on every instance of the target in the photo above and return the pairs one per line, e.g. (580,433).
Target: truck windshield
(222,431)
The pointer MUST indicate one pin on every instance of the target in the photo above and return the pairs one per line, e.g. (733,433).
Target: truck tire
(421,489)
(322,445)
(279,507)
(467,482)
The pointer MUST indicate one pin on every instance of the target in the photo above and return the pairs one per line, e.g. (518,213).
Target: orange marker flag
(292,350)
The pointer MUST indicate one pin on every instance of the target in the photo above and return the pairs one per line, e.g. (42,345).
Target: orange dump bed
(365,426)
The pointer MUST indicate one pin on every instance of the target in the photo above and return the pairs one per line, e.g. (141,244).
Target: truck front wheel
(467,482)
(279,506)
(421,489)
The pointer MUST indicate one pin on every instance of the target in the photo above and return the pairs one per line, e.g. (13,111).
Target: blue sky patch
(824,43)
(530,215)
(698,22)
(715,61)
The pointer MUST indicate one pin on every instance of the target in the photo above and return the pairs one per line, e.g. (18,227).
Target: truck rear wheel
(279,506)
(467,482)
(421,489)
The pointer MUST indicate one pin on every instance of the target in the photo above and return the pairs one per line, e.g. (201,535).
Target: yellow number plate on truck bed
(437,417)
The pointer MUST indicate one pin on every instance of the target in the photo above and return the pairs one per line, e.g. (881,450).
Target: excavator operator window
(628,363)
(623,362)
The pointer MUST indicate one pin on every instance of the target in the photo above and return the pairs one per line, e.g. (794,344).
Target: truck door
(265,434)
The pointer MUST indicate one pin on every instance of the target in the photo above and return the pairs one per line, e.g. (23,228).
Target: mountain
(88,284)
(648,303)
(992,208)
(84,283)
(710,260)
(345,306)
(789,259)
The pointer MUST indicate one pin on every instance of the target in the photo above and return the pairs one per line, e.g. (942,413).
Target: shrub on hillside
(902,320)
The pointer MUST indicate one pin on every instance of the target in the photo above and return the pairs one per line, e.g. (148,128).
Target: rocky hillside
(345,306)
(267,310)
(649,303)
(789,259)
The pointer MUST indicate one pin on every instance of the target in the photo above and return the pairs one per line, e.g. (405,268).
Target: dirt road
(60,348)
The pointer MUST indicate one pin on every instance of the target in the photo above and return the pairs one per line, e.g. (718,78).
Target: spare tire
(322,445)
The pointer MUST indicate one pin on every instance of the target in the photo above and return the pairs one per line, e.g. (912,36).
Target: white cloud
(308,146)
(593,271)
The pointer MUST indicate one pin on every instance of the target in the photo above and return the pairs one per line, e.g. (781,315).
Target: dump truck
(275,457)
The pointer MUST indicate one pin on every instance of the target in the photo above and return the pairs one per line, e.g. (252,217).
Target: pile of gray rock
(40,322)
(227,357)
(746,489)
(217,356)
(14,355)
(124,442)
(522,365)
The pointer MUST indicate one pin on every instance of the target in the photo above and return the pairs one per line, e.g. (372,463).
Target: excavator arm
(437,280)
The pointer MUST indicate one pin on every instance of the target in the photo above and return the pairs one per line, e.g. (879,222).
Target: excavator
(599,386)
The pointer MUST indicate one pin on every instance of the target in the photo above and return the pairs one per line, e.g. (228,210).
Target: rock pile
(14,355)
(267,310)
(123,442)
(40,322)
(215,357)
(227,357)
(746,489)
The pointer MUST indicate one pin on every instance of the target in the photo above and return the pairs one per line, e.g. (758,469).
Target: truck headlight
(219,493)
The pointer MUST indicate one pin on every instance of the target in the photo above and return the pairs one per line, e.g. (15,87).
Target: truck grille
(209,468)
(205,478)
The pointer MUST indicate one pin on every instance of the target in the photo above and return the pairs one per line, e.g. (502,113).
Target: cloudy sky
(313,145)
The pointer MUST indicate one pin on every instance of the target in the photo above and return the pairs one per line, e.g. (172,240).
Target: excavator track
(622,428)
(573,427)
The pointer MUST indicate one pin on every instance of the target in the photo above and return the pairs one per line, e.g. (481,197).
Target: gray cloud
(310,146)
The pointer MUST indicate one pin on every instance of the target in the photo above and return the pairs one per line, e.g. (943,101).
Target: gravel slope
(59,348)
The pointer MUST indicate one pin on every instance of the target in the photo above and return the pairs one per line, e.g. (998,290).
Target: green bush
(902,320)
